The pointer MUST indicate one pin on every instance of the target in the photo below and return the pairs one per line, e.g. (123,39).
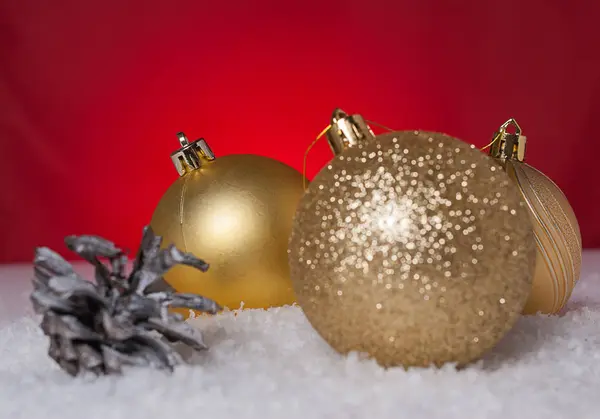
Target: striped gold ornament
(557,234)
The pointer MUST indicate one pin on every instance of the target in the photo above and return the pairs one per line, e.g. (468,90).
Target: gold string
(496,138)
(328,127)
(308,151)
(379,125)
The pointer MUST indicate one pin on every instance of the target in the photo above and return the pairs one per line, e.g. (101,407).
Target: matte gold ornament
(236,211)
(557,234)
(414,248)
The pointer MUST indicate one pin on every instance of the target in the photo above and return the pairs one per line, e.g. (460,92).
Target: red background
(92,93)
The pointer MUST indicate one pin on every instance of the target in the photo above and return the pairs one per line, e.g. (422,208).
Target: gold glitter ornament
(557,235)
(236,211)
(415,249)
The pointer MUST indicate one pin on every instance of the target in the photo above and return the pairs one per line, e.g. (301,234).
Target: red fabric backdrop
(92,93)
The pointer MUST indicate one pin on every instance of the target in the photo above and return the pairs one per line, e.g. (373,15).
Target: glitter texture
(416,249)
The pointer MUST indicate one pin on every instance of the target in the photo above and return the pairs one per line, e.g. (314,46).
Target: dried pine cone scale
(181,332)
(119,320)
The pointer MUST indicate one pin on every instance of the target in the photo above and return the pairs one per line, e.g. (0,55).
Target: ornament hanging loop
(344,131)
(347,131)
(506,145)
(191,155)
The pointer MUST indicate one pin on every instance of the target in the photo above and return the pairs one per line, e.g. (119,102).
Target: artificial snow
(272,364)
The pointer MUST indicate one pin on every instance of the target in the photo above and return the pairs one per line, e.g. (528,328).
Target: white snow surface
(272,364)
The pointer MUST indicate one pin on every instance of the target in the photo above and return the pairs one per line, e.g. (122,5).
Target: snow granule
(272,364)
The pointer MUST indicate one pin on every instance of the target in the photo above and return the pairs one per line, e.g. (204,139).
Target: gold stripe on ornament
(547,261)
(550,207)
(563,280)
(565,224)
(548,258)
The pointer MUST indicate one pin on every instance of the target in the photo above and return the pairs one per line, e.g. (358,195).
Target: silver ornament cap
(191,155)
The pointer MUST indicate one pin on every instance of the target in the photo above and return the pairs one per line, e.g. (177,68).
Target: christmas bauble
(236,211)
(415,249)
(557,234)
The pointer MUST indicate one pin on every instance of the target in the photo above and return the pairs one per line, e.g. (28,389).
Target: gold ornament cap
(506,145)
(347,131)
(192,155)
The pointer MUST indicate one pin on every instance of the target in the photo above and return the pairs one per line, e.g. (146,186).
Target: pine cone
(120,320)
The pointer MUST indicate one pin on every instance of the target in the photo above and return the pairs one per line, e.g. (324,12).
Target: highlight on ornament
(118,321)
(236,211)
(556,230)
(410,246)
